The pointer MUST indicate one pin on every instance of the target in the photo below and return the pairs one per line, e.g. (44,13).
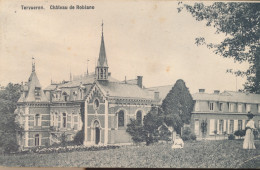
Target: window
(37,120)
(196,127)
(37,140)
(221,126)
(101,74)
(221,107)
(239,108)
(231,126)
(258,108)
(139,117)
(248,107)
(239,124)
(64,120)
(65,96)
(37,91)
(258,123)
(231,107)
(121,118)
(211,106)
(96,104)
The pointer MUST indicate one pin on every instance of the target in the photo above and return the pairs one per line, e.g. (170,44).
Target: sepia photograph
(129,84)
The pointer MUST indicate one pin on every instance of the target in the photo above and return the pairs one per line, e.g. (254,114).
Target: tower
(102,66)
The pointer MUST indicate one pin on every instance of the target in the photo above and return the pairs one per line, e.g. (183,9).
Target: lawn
(197,154)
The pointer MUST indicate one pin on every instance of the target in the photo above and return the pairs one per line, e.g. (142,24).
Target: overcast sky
(148,38)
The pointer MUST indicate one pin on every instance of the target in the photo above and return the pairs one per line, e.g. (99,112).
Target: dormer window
(37,91)
(65,96)
(211,106)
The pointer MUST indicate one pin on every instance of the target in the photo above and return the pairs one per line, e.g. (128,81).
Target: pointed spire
(102,60)
(33,64)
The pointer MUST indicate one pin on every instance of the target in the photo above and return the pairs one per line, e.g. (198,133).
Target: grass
(198,154)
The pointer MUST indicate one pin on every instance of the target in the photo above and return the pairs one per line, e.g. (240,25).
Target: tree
(240,23)
(8,127)
(177,106)
(136,130)
(152,121)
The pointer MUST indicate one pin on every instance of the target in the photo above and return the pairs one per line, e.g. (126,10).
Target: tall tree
(240,22)
(8,127)
(177,106)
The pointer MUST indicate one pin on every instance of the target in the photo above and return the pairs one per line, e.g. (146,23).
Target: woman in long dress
(249,137)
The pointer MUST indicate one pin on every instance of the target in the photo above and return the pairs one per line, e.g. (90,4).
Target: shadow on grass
(253,163)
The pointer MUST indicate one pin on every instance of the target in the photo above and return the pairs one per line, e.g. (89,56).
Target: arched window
(139,117)
(65,96)
(64,120)
(121,118)
(37,120)
(96,104)
(37,140)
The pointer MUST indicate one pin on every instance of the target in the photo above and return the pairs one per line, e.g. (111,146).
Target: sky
(147,38)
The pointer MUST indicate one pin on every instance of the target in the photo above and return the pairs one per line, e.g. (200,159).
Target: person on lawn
(178,143)
(249,137)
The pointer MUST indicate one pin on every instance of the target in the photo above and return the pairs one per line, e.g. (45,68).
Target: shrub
(10,147)
(79,138)
(188,135)
(240,133)
(231,137)
(193,137)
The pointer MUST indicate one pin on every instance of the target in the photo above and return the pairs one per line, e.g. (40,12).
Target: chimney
(140,81)
(201,90)
(156,95)
(125,79)
(216,91)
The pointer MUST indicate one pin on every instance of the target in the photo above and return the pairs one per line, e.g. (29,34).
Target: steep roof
(102,60)
(122,90)
(32,85)
(89,79)
(163,91)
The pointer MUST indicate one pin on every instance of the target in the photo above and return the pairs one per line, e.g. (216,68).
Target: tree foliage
(136,131)
(240,22)
(177,106)
(8,127)
(148,131)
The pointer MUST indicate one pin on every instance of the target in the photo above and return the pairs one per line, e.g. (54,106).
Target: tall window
(239,124)
(65,96)
(37,140)
(248,107)
(221,107)
(139,117)
(121,118)
(37,120)
(64,120)
(211,106)
(221,126)
(239,108)
(258,108)
(231,107)
(231,126)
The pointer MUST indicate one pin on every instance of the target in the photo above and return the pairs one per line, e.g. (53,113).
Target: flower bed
(62,149)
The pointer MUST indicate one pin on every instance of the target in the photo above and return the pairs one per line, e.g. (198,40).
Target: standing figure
(249,137)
